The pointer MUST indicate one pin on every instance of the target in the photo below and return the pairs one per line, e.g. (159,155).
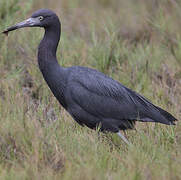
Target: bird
(92,98)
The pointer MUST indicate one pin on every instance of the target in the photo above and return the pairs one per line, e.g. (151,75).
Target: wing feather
(104,97)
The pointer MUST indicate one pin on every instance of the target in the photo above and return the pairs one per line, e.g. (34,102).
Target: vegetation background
(136,42)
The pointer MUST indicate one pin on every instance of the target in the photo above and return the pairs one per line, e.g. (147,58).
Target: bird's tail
(170,119)
(155,112)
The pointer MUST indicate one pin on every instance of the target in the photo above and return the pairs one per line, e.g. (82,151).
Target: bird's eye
(40,18)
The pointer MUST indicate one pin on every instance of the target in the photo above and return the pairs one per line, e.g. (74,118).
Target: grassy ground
(135,42)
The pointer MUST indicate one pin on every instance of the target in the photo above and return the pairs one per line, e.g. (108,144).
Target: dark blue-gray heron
(92,98)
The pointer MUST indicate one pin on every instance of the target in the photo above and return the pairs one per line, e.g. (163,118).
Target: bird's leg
(123,138)
(125,135)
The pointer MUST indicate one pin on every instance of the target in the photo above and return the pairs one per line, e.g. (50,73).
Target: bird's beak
(27,23)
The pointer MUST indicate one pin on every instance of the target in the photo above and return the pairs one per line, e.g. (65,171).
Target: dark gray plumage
(91,97)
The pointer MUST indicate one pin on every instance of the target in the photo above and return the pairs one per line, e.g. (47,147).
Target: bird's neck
(48,47)
(53,73)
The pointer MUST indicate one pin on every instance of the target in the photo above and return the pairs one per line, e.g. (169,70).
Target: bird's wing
(104,97)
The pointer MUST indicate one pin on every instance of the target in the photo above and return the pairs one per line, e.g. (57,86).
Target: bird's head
(40,18)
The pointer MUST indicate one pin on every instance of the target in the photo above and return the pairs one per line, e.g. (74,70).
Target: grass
(138,44)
